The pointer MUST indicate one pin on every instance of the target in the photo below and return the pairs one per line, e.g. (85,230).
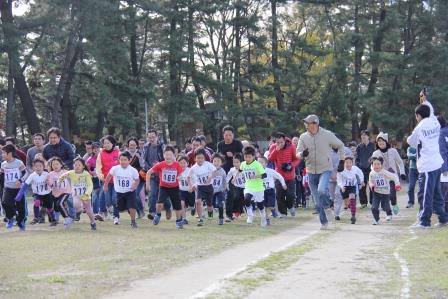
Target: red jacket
(285,155)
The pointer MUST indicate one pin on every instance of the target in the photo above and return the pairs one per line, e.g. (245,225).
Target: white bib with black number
(79,189)
(40,186)
(12,175)
(169,176)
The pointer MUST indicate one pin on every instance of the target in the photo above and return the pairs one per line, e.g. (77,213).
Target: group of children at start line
(205,184)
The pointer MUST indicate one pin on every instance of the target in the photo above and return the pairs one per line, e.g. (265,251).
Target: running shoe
(34,221)
(68,222)
(420,226)
(439,225)
(116,220)
(151,216)
(324,226)
(292,211)
(337,218)
(133,224)
(200,222)
(389,218)
(98,217)
(374,222)
(185,221)
(93,226)
(268,222)
(221,221)
(353,220)
(22,226)
(179,224)
(263,222)
(249,219)
(395,209)
(409,206)
(156,219)
(210,214)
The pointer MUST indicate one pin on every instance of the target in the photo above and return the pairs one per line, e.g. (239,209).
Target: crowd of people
(145,177)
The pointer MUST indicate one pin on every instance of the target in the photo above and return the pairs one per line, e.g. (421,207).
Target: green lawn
(44,262)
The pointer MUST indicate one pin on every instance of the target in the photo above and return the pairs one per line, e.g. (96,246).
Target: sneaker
(353,220)
(116,220)
(363,206)
(21,226)
(420,226)
(210,214)
(329,213)
(68,222)
(34,221)
(410,205)
(93,226)
(337,218)
(78,216)
(292,211)
(250,219)
(179,224)
(151,216)
(263,222)
(5,219)
(200,222)
(281,216)
(41,220)
(156,219)
(268,222)
(98,217)
(133,224)
(54,223)
(388,218)
(168,214)
(227,219)
(275,214)
(395,209)
(374,222)
(193,211)
(439,225)
(185,221)
(324,226)
(221,221)
(315,212)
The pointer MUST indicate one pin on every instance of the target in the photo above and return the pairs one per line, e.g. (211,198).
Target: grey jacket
(319,146)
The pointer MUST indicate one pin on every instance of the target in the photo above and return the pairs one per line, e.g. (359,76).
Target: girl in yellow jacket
(82,186)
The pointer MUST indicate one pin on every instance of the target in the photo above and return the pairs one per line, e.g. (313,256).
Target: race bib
(40,187)
(183,182)
(12,175)
(240,180)
(169,176)
(124,182)
(217,181)
(203,179)
(57,184)
(79,189)
(249,174)
(266,185)
(380,182)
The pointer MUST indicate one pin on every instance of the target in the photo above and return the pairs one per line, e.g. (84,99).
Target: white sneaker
(374,222)
(250,219)
(324,226)
(420,226)
(389,218)
(263,222)
(116,221)
(292,211)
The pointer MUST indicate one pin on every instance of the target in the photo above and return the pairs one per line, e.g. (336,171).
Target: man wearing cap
(364,151)
(315,147)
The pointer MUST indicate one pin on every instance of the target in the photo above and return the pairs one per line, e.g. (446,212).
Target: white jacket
(425,138)
(271,176)
(351,177)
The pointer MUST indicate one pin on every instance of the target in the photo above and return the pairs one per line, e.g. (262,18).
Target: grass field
(47,263)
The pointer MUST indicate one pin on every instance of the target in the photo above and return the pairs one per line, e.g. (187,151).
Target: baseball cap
(312,118)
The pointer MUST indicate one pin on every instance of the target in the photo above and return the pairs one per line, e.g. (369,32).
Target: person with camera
(315,146)
(282,153)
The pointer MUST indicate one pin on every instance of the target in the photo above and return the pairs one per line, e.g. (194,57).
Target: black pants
(12,207)
(300,194)
(363,190)
(384,200)
(285,198)
(61,205)
(234,202)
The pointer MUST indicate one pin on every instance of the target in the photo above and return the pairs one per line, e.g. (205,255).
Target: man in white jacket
(425,138)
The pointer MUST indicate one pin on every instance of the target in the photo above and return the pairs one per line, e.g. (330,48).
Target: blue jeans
(140,208)
(96,200)
(430,197)
(110,198)
(154,194)
(412,177)
(319,189)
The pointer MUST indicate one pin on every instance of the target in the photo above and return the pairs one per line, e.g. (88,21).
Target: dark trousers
(384,200)
(430,197)
(285,198)
(300,194)
(413,177)
(444,187)
(12,207)
(363,190)
(234,201)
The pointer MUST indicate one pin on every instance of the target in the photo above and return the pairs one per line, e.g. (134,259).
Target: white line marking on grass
(405,290)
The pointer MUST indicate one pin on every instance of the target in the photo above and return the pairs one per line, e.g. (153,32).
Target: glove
(287,167)
(305,153)
(403,177)
(341,166)
(397,188)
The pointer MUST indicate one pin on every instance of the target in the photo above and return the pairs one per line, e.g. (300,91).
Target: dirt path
(352,258)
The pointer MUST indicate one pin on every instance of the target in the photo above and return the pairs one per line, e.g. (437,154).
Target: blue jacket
(443,144)
(63,150)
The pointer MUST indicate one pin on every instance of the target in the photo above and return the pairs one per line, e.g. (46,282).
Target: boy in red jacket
(283,154)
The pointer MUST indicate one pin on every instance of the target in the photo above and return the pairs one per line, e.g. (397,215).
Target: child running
(379,183)
(60,190)
(219,187)
(348,181)
(126,179)
(186,197)
(254,174)
(82,187)
(269,187)
(14,173)
(235,180)
(41,191)
(202,172)
(168,171)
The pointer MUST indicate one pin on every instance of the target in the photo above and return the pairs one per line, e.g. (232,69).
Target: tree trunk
(101,117)
(237,52)
(275,66)
(174,83)
(10,103)
(12,48)
(69,54)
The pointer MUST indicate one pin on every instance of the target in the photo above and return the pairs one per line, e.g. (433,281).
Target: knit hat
(383,136)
